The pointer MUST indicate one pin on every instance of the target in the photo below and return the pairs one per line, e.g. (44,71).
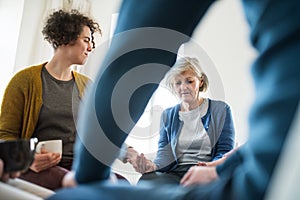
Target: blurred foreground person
(246,174)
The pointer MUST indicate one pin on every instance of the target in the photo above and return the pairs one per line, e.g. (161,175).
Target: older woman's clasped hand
(45,160)
(142,165)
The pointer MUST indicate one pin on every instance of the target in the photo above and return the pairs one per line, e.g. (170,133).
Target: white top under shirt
(193,141)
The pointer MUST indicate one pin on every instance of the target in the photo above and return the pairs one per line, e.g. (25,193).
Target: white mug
(53,146)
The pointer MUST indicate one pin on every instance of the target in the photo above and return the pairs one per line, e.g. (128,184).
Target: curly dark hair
(63,27)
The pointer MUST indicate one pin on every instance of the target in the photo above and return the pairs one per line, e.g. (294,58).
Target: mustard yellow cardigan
(23,100)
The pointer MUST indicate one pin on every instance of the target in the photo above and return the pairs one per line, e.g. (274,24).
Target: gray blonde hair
(182,65)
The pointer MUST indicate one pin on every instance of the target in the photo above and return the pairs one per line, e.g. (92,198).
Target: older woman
(196,131)
(42,101)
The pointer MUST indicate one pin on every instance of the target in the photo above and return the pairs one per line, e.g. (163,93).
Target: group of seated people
(202,128)
(196,157)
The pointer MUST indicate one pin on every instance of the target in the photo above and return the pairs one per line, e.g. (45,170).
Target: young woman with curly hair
(42,100)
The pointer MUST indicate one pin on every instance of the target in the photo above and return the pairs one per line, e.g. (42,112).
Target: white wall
(32,49)
(10,16)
